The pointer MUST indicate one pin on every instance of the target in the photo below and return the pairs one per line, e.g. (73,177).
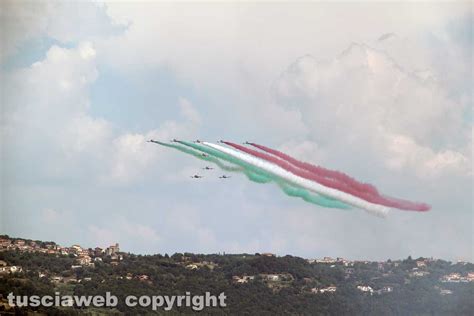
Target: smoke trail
(375,209)
(337,175)
(345,183)
(304,194)
(260,176)
(199,156)
(217,154)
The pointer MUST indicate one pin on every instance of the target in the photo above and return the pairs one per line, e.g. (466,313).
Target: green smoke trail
(252,176)
(311,198)
(220,155)
(200,156)
(258,178)
(257,175)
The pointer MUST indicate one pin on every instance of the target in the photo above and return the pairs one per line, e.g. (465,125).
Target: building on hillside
(98,251)
(76,249)
(421,263)
(329,289)
(242,279)
(143,277)
(470,276)
(366,289)
(112,250)
(445,292)
(5,242)
(84,260)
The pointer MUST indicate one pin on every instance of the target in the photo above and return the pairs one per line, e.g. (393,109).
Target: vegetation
(292,292)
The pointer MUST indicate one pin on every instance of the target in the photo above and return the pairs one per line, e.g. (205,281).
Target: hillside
(261,284)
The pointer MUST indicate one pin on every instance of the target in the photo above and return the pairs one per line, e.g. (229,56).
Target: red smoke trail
(335,183)
(337,175)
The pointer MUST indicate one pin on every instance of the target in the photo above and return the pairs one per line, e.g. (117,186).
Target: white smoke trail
(375,209)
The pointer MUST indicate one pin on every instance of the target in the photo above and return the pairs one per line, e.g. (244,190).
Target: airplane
(197,176)
(207,168)
(224,177)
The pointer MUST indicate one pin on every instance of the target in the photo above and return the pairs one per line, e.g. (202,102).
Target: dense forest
(253,283)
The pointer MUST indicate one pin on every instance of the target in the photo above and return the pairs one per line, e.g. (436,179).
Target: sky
(381,91)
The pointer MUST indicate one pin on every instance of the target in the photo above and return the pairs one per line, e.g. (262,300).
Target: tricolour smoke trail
(261,176)
(334,174)
(199,155)
(258,178)
(375,209)
(342,185)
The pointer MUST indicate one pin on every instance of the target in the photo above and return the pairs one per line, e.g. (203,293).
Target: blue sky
(312,79)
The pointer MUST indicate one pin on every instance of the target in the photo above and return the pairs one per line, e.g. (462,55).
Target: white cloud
(364,100)
(28,20)
(403,152)
(47,107)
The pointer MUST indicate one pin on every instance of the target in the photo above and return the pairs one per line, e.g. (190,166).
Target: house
(387,289)
(83,252)
(326,260)
(243,279)
(452,278)
(270,277)
(70,280)
(98,251)
(192,266)
(143,277)
(366,289)
(445,292)
(421,263)
(329,289)
(419,273)
(5,242)
(470,276)
(19,242)
(84,260)
(75,249)
(15,269)
(112,250)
